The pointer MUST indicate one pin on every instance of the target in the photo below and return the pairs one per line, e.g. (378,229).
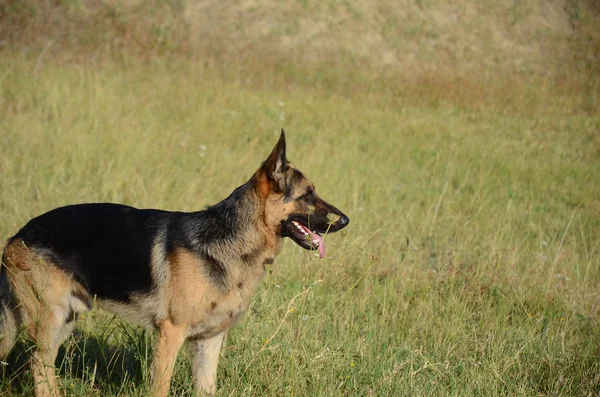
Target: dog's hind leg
(204,355)
(48,333)
(48,301)
(169,341)
(54,323)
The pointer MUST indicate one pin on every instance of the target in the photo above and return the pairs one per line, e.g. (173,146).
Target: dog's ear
(274,167)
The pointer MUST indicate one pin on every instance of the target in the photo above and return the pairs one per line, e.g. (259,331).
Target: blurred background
(436,41)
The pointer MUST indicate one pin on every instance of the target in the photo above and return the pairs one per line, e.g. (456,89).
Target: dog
(190,275)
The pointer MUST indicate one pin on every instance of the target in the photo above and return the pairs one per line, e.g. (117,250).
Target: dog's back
(106,247)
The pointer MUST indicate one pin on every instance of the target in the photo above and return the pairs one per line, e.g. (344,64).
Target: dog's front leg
(170,339)
(204,355)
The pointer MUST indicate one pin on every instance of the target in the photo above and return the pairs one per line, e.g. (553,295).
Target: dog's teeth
(301,228)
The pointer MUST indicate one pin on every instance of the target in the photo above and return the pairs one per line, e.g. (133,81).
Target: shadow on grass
(85,363)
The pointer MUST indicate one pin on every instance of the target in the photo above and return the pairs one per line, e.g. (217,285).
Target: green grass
(470,267)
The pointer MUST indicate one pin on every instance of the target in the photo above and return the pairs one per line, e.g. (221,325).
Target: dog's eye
(309,195)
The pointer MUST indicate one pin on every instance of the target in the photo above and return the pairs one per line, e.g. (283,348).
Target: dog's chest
(224,310)
(205,307)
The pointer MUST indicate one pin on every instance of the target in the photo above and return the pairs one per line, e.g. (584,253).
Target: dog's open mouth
(305,237)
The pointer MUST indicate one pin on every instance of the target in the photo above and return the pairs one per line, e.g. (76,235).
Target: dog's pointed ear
(276,164)
(274,167)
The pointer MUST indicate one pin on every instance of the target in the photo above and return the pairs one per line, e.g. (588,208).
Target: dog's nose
(344,220)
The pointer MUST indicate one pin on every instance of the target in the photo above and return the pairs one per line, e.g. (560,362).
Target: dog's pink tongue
(320,242)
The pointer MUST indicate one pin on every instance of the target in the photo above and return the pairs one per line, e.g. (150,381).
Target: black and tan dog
(188,275)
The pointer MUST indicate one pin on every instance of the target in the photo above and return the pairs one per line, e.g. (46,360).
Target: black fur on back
(107,247)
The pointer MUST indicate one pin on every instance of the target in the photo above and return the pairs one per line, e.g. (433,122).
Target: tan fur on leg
(42,367)
(49,333)
(44,294)
(170,339)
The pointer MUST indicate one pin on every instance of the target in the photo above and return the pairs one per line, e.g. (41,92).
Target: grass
(471,264)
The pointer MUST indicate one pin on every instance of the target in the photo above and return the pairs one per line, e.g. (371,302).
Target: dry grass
(470,37)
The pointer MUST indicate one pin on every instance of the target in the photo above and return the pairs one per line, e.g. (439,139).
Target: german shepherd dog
(190,276)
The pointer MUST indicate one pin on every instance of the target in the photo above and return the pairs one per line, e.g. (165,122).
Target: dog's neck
(240,218)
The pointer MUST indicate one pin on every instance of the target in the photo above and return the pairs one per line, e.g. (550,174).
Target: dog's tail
(9,316)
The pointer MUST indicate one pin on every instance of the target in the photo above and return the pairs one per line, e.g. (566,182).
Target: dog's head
(292,206)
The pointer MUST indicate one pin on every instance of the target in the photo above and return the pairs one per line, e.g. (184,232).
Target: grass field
(471,266)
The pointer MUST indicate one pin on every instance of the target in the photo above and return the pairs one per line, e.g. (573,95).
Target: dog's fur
(188,275)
